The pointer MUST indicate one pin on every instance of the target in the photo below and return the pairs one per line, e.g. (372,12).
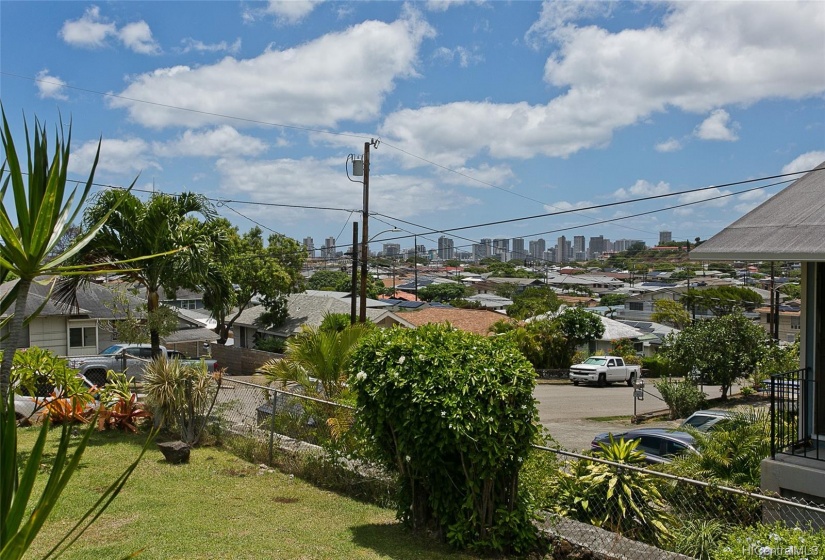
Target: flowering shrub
(453,414)
(776,541)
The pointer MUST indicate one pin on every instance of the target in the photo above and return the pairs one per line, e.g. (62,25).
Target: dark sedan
(659,445)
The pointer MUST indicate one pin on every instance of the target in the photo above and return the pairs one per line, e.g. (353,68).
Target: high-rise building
(562,255)
(392,249)
(665,237)
(578,245)
(488,246)
(624,244)
(445,248)
(479,251)
(501,249)
(328,250)
(309,245)
(518,249)
(550,255)
(596,247)
(537,248)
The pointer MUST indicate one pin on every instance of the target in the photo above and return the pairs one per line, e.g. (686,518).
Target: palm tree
(318,356)
(163,226)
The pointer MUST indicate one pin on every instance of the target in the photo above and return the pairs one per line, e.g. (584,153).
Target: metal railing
(793,412)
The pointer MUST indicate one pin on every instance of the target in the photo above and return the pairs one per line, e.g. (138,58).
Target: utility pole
(415,264)
(362,316)
(354,272)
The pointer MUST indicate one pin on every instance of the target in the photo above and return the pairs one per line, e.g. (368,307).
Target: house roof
(93,300)
(614,330)
(790,226)
(306,309)
(477,321)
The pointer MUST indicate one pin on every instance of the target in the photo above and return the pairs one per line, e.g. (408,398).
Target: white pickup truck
(130,359)
(603,370)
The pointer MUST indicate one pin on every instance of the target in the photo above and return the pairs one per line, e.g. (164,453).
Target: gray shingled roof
(790,226)
(93,300)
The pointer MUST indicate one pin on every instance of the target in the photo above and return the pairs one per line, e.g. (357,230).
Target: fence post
(773,419)
(272,427)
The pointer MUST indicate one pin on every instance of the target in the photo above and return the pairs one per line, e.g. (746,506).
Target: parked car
(603,370)
(706,420)
(27,405)
(130,359)
(658,445)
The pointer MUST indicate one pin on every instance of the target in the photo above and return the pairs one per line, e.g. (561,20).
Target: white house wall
(49,333)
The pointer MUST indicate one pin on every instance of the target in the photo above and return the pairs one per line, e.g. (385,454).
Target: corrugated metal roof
(789,226)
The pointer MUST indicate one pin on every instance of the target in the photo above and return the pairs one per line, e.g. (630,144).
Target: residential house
(789,323)
(303,309)
(476,321)
(790,226)
(81,330)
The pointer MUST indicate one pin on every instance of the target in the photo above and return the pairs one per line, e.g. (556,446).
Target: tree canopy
(722,300)
(252,268)
(444,293)
(722,349)
(669,312)
(160,242)
(533,301)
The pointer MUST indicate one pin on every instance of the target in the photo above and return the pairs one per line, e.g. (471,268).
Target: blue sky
(485,111)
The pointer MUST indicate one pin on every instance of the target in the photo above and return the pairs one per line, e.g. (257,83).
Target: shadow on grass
(396,542)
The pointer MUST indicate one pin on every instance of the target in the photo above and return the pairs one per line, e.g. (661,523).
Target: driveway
(574,415)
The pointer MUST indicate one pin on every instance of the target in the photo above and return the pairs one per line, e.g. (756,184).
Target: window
(795,323)
(636,305)
(82,337)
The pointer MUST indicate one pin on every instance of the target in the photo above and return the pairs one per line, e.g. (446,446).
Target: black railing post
(773,418)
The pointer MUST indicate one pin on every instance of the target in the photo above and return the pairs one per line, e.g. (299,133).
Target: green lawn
(218,506)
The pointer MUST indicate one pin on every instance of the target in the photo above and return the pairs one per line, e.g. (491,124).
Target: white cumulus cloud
(669,145)
(642,188)
(701,57)
(290,12)
(92,31)
(137,36)
(49,86)
(190,45)
(124,157)
(805,162)
(717,126)
(89,31)
(340,76)
(222,141)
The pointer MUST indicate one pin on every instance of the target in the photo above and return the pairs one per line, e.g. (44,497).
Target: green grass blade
(102,503)
(26,483)
(8,464)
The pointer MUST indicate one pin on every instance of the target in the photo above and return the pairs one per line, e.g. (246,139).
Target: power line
(322,131)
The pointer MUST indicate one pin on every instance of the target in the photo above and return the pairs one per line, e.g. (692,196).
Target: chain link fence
(593,508)
(617,510)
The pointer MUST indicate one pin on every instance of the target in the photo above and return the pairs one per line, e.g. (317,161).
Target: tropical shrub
(624,501)
(54,387)
(317,359)
(180,395)
(683,398)
(270,344)
(699,538)
(452,413)
(771,541)
(119,408)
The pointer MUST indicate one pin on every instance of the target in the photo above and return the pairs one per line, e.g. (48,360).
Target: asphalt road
(575,414)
